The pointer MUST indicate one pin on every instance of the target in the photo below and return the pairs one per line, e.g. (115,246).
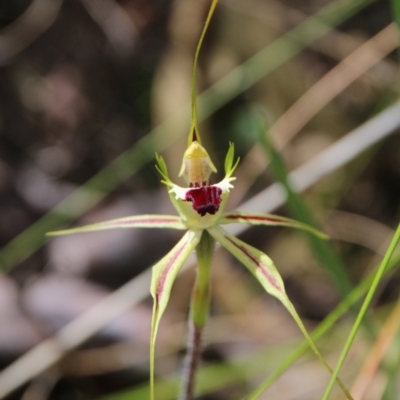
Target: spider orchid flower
(200,208)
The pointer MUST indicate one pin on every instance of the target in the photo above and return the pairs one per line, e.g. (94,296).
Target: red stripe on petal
(259,265)
(146,221)
(255,218)
(163,278)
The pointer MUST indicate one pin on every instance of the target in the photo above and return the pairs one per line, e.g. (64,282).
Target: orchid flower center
(196,169)
(205,198)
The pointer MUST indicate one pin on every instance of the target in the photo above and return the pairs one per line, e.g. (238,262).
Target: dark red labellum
(205,199)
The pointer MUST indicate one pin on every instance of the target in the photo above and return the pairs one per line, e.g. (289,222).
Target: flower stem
(191,361)
(199,309)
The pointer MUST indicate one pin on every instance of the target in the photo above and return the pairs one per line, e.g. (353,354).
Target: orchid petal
(263,268)
(164,274)
(134,221)
(162,169)
(229,166)
(267,219)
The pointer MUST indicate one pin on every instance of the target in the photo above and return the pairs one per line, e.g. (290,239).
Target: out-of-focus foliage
(82,81)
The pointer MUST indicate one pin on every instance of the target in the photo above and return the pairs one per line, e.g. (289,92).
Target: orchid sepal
(264,270)
(258,263)
(196,165)
(134,221)
(238,217)
(163,276)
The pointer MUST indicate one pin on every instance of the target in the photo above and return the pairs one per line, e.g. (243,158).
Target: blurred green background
(91,89)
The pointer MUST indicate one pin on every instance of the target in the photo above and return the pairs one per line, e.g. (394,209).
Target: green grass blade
(323,328)
(364,307)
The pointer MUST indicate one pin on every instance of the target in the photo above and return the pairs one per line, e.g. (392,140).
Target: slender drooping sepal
(199,310)
(289,306)
(263,268)
(134,221)
(236,217)
(164,274)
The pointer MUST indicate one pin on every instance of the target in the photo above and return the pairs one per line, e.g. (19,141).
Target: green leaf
(164,274)
(268,219)
(134,221)
(263,268)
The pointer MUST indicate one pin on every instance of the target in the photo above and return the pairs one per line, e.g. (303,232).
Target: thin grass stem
(364,307)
